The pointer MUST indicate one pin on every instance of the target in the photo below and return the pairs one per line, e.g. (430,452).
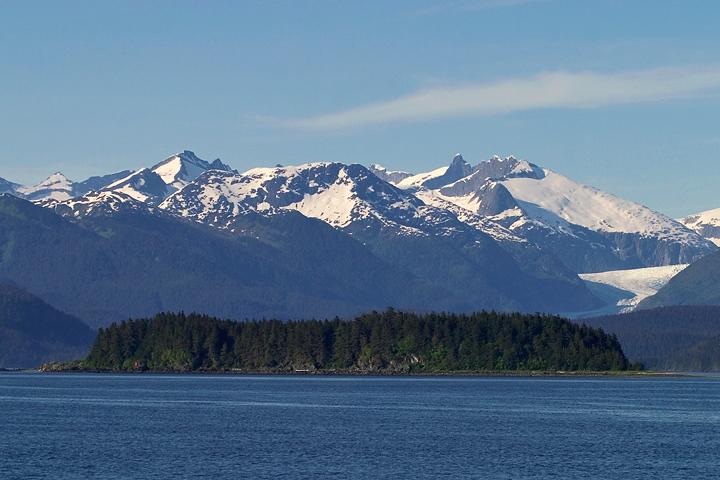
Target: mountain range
(325,239)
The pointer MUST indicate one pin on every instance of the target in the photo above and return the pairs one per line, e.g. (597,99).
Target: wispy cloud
(546,90)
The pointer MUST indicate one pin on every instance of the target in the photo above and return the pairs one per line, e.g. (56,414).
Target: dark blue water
(154,426)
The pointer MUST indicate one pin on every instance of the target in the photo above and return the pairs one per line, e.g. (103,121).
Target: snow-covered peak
(589,207)
(348,197)
(57,179)
(549,196)
(457,169)
(390,176)
(143,186)
(706,224)
(56,187)
(552,210)
(182,168)
(497,168)
(333,192)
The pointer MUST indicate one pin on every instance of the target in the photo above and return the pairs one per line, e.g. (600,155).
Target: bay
(83,426)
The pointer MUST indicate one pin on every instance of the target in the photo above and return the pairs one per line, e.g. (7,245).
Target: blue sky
(622,95)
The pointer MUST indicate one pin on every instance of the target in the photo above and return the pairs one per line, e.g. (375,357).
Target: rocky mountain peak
(497,168)
(457,169)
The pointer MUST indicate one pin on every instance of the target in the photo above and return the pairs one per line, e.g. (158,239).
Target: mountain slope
(132,261)
(698,284)
(682,338)
(143,185)
(7,186)
(32,332)
(94,184)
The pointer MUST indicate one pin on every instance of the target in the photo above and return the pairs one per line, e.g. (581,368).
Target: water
(157,426)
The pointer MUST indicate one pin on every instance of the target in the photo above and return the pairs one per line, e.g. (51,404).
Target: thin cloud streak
(546,90)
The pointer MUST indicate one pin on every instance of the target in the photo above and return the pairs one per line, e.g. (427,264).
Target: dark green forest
(679,338)
(33,332)
(391,341)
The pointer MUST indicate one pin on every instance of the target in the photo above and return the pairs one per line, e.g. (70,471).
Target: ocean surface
(245,427)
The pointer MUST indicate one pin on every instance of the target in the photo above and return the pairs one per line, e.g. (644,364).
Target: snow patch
(420,178)
(589,207)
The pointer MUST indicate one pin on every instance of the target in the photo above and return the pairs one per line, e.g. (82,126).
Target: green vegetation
(391,342)
(33,332)
(680,338)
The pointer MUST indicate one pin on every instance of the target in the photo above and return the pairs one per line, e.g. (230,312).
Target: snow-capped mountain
(343,196)
(706,224)
(144,186)
(97,183)
(504,233)
(340,195)
(56,187)
(182,168)
(592,230)
(428,241)
(133,190)
(507,199)
(457,169)
(102,203)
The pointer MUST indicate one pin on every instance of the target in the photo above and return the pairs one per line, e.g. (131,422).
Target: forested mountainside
(391,341)
(33,332)
(680,338)
(134,262)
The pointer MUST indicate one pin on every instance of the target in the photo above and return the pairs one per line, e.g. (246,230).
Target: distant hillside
(135,261)
(33,332)
(132,264)
(681,338)
(392,342)
(699,284)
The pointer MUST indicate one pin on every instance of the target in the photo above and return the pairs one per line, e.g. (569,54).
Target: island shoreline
(63,369)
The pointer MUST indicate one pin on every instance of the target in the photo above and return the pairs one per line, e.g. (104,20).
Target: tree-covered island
(390,342)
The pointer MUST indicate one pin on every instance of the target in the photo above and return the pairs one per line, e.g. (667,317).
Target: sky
(621,95)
